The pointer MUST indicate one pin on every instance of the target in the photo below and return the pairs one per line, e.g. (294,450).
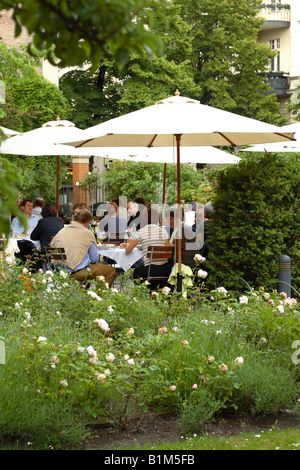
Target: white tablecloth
(120,257)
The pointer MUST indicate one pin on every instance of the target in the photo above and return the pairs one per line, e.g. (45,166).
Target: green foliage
(9,179)
(89,29)
(227,59)
(38,176)
(146,179)
(77,357)
(256,220)
(31,100)
(99,95)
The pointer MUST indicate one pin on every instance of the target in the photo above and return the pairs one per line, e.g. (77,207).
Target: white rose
(102,323)
(222,290)
(41,339)
(110,357)
(91,351)
(93,360)
(238,360)
(243,299)
(94,295)
(202,274)
(165,290)
(101,378)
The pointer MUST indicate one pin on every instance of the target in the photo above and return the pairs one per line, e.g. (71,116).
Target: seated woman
(47,227)
(113,224)
(150,234)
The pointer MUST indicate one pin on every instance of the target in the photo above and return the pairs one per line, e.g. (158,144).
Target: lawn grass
(288,439)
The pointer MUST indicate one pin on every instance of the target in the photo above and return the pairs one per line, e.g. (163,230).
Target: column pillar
(80,169)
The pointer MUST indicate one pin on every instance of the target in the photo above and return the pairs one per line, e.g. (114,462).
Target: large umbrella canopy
(196,124)
(177,122)
(41,141)
(293,146)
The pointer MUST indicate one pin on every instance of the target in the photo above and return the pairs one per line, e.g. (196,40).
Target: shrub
(257,220)
(76,357)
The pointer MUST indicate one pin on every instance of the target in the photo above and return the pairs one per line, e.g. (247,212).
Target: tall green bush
(257,220)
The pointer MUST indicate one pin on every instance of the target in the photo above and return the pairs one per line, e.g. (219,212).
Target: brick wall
(80,169)
(7,33)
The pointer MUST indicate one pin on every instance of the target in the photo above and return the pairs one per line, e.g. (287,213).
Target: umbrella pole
(164,192)
(179,275)
(57,180)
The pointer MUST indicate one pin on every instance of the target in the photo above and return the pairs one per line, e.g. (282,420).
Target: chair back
(158,252)
(55,256)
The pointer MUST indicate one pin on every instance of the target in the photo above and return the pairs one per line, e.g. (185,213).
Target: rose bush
(86,356)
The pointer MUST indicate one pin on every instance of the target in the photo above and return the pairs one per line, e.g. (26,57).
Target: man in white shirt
(28,248)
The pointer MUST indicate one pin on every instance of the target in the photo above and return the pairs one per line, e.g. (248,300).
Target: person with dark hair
(81,250)
(38,206)
(150,234)
(112,224)
(134,216)
(141,202)
(47,226)
(27,248)
(79,207)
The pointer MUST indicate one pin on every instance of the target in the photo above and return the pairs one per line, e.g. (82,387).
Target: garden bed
(157,428)
(126,366)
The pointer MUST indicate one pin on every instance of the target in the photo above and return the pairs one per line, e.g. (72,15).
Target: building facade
(281,31)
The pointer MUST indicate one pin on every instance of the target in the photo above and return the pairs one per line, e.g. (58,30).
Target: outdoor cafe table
(117,253)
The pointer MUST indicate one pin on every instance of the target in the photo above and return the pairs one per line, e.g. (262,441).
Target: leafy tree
(100,95)
(294,106)
(227,59)
(133,179)
(31,100)
(257,219)
(89,29)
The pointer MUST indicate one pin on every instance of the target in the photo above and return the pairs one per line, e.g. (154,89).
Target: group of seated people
(46,228)
(149,230)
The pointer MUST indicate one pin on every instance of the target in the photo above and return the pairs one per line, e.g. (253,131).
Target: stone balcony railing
(275,13)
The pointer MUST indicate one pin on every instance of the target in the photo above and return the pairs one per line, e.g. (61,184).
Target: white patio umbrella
(41,141)
(277,147)
(177,122)
(8,132)
(208,155)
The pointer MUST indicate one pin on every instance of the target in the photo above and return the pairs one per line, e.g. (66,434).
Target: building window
(275,62)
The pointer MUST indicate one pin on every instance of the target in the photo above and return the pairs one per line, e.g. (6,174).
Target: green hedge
(257,219)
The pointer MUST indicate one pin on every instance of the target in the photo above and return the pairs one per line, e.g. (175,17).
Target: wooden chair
(55,257)
(158,252)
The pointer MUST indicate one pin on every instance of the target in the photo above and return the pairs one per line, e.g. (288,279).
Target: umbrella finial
(58,118)
(177,92)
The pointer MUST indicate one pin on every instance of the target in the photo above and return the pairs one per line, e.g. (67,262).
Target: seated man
(80,248)
(134,216)
(28,248)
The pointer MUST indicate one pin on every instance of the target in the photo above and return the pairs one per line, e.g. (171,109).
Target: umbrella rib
(226,138)
(153,139)
(284,135)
